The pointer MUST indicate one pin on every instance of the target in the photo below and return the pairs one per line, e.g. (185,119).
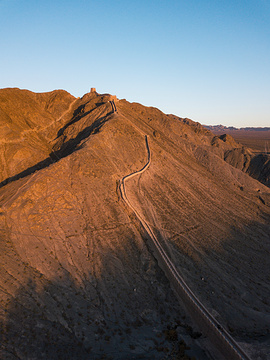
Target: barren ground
(78,279)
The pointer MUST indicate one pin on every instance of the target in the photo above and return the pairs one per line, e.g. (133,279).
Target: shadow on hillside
(101,318)
(60,319)
(259,168)
(78,114)
(37,324)
(66,148)
(232,278)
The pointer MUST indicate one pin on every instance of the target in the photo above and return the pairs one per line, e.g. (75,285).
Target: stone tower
(93,90)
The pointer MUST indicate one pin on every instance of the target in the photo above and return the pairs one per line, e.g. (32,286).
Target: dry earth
(78,279)
(258,139)
(254,156)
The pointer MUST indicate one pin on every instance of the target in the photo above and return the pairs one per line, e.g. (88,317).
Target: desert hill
(28,122)
(254,157)
(79,279)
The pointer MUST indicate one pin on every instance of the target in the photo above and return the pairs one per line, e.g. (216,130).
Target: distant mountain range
(231,128)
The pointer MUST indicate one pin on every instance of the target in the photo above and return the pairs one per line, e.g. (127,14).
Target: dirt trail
(220,338)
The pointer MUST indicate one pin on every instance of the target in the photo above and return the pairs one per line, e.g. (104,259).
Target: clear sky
(208,60)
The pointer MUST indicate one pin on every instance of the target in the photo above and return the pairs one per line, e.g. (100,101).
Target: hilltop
(254,157)
(79,279)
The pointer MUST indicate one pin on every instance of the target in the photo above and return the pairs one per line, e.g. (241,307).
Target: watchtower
(93,90)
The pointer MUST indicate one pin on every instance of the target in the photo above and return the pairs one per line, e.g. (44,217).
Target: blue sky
(208,60)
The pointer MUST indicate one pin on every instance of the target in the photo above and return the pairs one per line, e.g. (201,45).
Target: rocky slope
(255,164)
(254,157)
(78,279)
(28,122)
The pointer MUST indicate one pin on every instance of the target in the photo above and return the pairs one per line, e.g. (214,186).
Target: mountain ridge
(76,265)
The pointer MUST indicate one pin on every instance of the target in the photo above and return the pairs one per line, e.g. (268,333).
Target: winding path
(219,337)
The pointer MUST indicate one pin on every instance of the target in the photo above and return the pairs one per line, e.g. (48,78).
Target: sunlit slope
(75,263)
(76,274)
(212,218)
(28,122)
